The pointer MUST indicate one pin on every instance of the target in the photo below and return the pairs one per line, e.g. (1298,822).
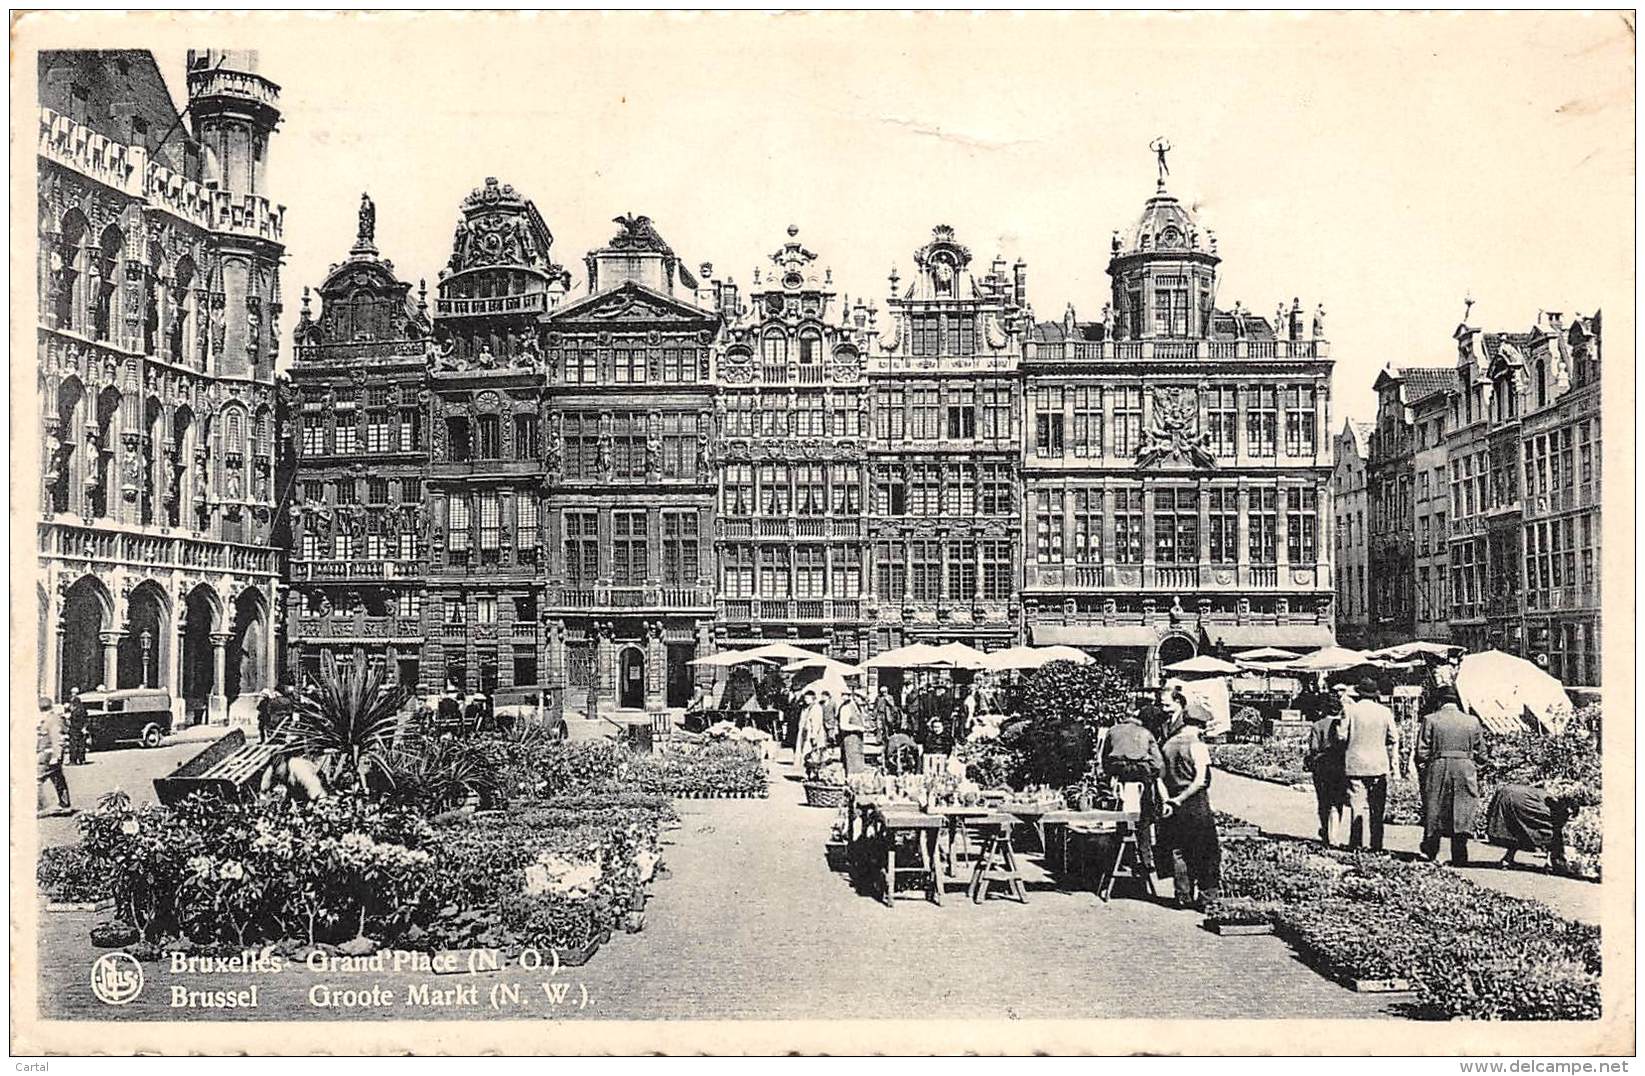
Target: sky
(1385,166)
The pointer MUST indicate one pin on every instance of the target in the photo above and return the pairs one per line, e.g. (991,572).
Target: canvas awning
(1093,635)
(1289,636)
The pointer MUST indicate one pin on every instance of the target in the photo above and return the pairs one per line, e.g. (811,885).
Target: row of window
(370,491)
(349,430)
(781,414)
(629,448)
(1071,525)
(945,489)
(783,571)
(628,362)
(1094,421)
(1554,549)
(629,549)
(932,569)
(781,489)
(954,412)
(373,547)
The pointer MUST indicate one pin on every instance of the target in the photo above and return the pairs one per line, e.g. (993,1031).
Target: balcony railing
(812,610)
(1176,576)
(789,527)
(335,570)
(630,597)
(359,627)
(1173,350)
(217,82)
(526,302)
(1263,577)
(158,550)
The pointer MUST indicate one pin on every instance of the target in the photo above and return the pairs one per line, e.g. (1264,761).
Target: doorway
(679,672)
(1175,648)
(631,679)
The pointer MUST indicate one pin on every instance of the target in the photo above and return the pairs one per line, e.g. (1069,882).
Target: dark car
(132,715)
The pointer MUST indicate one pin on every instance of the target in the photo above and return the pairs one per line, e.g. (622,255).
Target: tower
(235,111)
(1165,273)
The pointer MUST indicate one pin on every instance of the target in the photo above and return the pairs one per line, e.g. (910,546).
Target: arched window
(182,302)
(69,263)
(107,283)
(774,349)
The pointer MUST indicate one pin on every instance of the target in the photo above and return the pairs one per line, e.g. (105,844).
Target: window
(847,412)
(1176,526)
(996,410)
(680,548)
(996,571)
(737,495)
(925,338)
(411,490)
(962,413)
(996,487)
(959,490)
(409,604)
(679,364)
(925,489)
(485,609)
(527,439)
(890,571)
(410,430)
(1170,306)
(679,444)
(774,571)
(582,548)
(311,546)
(1424,535)
(628,430)
(1048,526)
(847,572)
(811,415)
(340,547)
(628,548)
(1088,422)
(628,367)
(774,354)
(1261,524)
(408,546)
(737,570)
(1224,523)
(525,524)
(525,668)
(582,444)
(925,422)
(809,570)
(1088,526)
(1127,421)
(313,442)
(1128,526)
(1302,526)
(457,440)
(1221,415)
(774,421)
(346,492)
(1048,423)
(453,610)
(888,414)
(1261,417)
(377,428)
(810,489)
(579,664)
(962,571)
(347,441)
(776,496)
(739,416)
(490,525)
(581,363)
(846,495)
(890,492)
(925,558)
(457,527)
(376,491)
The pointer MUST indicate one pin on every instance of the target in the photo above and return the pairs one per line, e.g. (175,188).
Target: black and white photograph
(823,533)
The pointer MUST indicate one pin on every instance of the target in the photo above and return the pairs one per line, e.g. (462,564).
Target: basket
(818,794)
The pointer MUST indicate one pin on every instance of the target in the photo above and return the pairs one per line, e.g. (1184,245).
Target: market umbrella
(1204,665)
(1331,659)
(728,658)
(1405,651)
(781,652)
(1266,653)
(912,656)
(958,656)
(1034,657)
(1502,689)
(825,665)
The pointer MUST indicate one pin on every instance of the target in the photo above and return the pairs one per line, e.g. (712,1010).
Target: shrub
(728,769)
(70,874)
(1063,707)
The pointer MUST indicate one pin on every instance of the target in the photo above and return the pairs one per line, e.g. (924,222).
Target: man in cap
(1371,745)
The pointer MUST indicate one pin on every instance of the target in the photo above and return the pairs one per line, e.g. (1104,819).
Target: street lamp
(147,640)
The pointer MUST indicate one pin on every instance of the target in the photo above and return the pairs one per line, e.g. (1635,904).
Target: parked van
(132,715)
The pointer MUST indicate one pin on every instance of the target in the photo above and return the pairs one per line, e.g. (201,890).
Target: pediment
(632,303)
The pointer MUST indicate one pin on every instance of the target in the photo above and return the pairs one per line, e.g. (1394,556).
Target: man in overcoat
(1449,754)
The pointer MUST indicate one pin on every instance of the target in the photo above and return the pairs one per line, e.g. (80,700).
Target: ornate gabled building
(159,304)
(489,457)
(1392,494)
(355,420)
(943,451)
(1176,463)
(790,539)
(629,513)
(1351,556)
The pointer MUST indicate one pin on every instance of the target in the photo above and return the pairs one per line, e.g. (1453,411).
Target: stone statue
(1175,431)
(368,219)
(234,485)
(653,452)
(1319,322)
(1161,147)
(603,454)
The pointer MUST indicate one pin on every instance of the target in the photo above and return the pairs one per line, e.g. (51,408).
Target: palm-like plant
(347,728)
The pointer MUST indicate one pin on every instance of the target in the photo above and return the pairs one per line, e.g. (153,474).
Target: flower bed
(68,874)
(1466,951)
(711,771)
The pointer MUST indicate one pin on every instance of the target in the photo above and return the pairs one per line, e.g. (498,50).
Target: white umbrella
(1403,651)
(728,658)
(1502,688)
(1203,663)
(958,656)
(914,655)
(1331,659)
(1035,657)
(825,665)
(781,652)
(1266,653)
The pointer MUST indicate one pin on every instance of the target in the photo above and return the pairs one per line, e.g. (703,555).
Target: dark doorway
(148,637)
(680,656)
(84,619)
(631,679)
(1173,649)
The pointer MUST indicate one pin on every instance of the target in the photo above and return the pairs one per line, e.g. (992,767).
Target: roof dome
(1166,225)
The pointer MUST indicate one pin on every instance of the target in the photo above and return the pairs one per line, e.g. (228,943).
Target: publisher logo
(116,978)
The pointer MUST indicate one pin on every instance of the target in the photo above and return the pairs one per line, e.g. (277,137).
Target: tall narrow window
(810,489)
(628,548)
(1088,422)
(1176,526)
(1261,524)
(890,570)
(1128,526)
(996,410)
(996,489)
(846,567)
(962,571)
(582,548)
(457,442)
(737,495)
(1170,306)
(809,570)
(996,571)
(1127,421)
(962,413)
(925,556)
(1302,526)
(1088,526)
(377,428)
(1299,420)
(774,571)
(1224,521)
(411,430)
(737,570)
(1221,415)
(1048,423)
(1048,526)
(347,432)
(458,525)
(891,492)
(925,422)
(525,527)
(1261,420)
(527,445)
(491,516)
(680,548)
